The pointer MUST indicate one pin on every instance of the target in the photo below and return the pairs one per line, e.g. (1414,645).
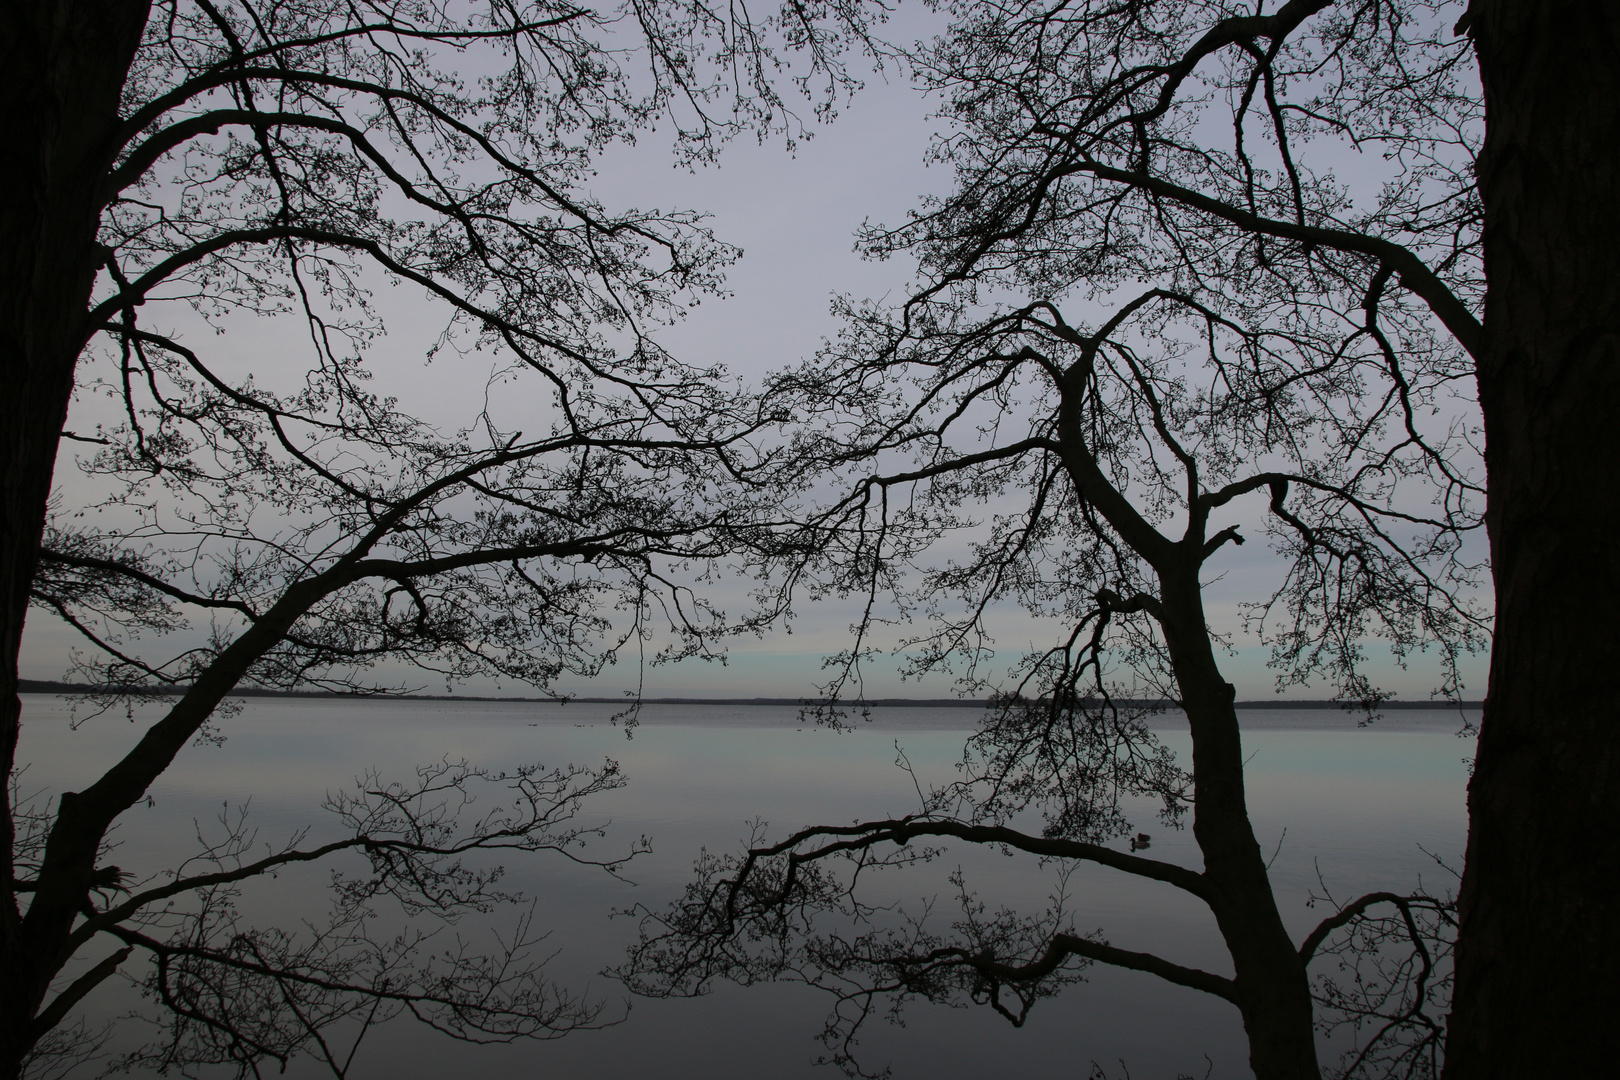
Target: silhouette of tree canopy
(289,525)
(1151,321)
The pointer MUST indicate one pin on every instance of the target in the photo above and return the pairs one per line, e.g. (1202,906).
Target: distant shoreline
(43,686)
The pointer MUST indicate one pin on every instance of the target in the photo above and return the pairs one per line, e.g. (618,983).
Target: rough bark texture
(1539,941)
(62,68)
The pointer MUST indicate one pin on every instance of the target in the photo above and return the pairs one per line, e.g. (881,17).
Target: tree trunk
(1273,989)
(62,69)
(1539,938)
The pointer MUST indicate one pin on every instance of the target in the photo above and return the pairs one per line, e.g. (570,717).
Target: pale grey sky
(794,216)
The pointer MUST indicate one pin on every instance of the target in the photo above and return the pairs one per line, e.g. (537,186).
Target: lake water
(1360,807)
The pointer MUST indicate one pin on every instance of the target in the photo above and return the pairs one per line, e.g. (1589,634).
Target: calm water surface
(1360,807)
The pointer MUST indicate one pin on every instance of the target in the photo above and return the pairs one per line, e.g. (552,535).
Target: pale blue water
(1358,805)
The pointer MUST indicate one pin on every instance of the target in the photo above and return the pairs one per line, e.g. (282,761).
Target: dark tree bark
(62,69)
(1273,988)
(107,115)
(1539,939)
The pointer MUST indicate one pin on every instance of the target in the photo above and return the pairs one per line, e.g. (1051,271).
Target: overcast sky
(794,216)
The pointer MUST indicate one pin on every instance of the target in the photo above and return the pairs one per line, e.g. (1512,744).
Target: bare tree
(286,524)
(1126,443)
(242,996)
(1221,154)
(1132,344)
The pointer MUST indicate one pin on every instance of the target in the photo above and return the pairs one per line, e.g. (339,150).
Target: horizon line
(49,686)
